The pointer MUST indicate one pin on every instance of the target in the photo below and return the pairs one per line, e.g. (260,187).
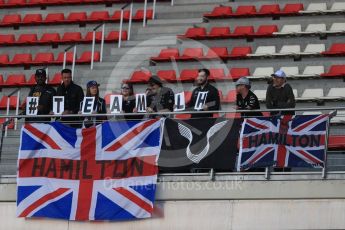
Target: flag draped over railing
(287,141)
(107,172)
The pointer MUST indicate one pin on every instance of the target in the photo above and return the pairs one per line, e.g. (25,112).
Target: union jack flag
(287,141)
(107,172)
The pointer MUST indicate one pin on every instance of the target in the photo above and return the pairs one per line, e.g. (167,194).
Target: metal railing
(74,46)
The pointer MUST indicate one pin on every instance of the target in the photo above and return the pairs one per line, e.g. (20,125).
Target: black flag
(199,143)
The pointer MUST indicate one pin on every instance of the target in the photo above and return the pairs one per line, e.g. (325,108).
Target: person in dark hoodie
(73,95)
(45,93)
(280,95)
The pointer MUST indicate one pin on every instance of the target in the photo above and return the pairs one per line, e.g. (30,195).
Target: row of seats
(55,38)
(19,80)
(224,32)
(192,54)
(27,59)
(311,94)
(73,17)
(31,3)
(218,74)
(274,10)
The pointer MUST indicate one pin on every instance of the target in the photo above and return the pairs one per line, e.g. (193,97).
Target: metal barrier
(74,57)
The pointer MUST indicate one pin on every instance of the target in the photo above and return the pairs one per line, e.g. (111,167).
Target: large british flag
(287,141)
(108,172)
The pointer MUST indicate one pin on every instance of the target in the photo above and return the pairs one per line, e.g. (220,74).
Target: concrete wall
(208,214)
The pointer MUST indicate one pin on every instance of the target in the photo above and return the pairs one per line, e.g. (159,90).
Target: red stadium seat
(335,49)
(10,19)
(20,59)
(182,116)
(31,81)
(191,54)
(114,36)
(50,38)
(217,52)
(240,52)
(56,80)
(236,73)
(266,30)
(195,33)
(220,11)
(167,54)
(336,142)
(12,104)
(99,16)
(117,15)
(230,97)
(188,75)
(292,8)
(89,36)
(71,37)
(140,76)
(219,32)
(54,18)
(69,58)
(16,2)
(1,80)
(217,74)
(167,75)
(269,9)
(4,59)
(243,31)
(43,58)
(139,15)
(335,71)
(245,10)
(187,96)
(86,57)
(27,39)
(15,80)
(6,39)
(77,17)
(32,19)
(36,2)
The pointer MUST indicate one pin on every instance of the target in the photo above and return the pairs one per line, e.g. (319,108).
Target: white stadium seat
(314,49)
(262,72)
(290,29)
(337,7)
(290,71)
(315,8)
(335,94)
(339,118)
(261,94)
(264,51)
(315,28)
(312,94)
(313,71)
(337,27)
(295,93)
(312,113)
(290,50)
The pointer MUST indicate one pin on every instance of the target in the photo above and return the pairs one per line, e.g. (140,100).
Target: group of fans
(159,98)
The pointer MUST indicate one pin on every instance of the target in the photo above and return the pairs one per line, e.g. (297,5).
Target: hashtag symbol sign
(32,103)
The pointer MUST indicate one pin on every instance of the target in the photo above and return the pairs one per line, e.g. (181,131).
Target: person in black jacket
(159,98)
(246,99)
(73,95)
(99,106)
(128,102)
(280,94)
(45,93)
(212,100)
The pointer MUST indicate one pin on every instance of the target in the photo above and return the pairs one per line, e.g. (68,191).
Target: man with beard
(45,93)
(205,97)
(73,95)
(159,98)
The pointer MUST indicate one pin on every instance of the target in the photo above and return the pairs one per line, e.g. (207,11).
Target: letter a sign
(115,103)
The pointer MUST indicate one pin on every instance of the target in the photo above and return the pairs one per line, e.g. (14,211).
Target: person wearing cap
(246,99)
(99,106)
(45,93)
(280,94)
(212,101)
(73,95)
(159,98)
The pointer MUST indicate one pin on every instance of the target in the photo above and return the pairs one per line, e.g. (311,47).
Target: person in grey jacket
(280,94)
